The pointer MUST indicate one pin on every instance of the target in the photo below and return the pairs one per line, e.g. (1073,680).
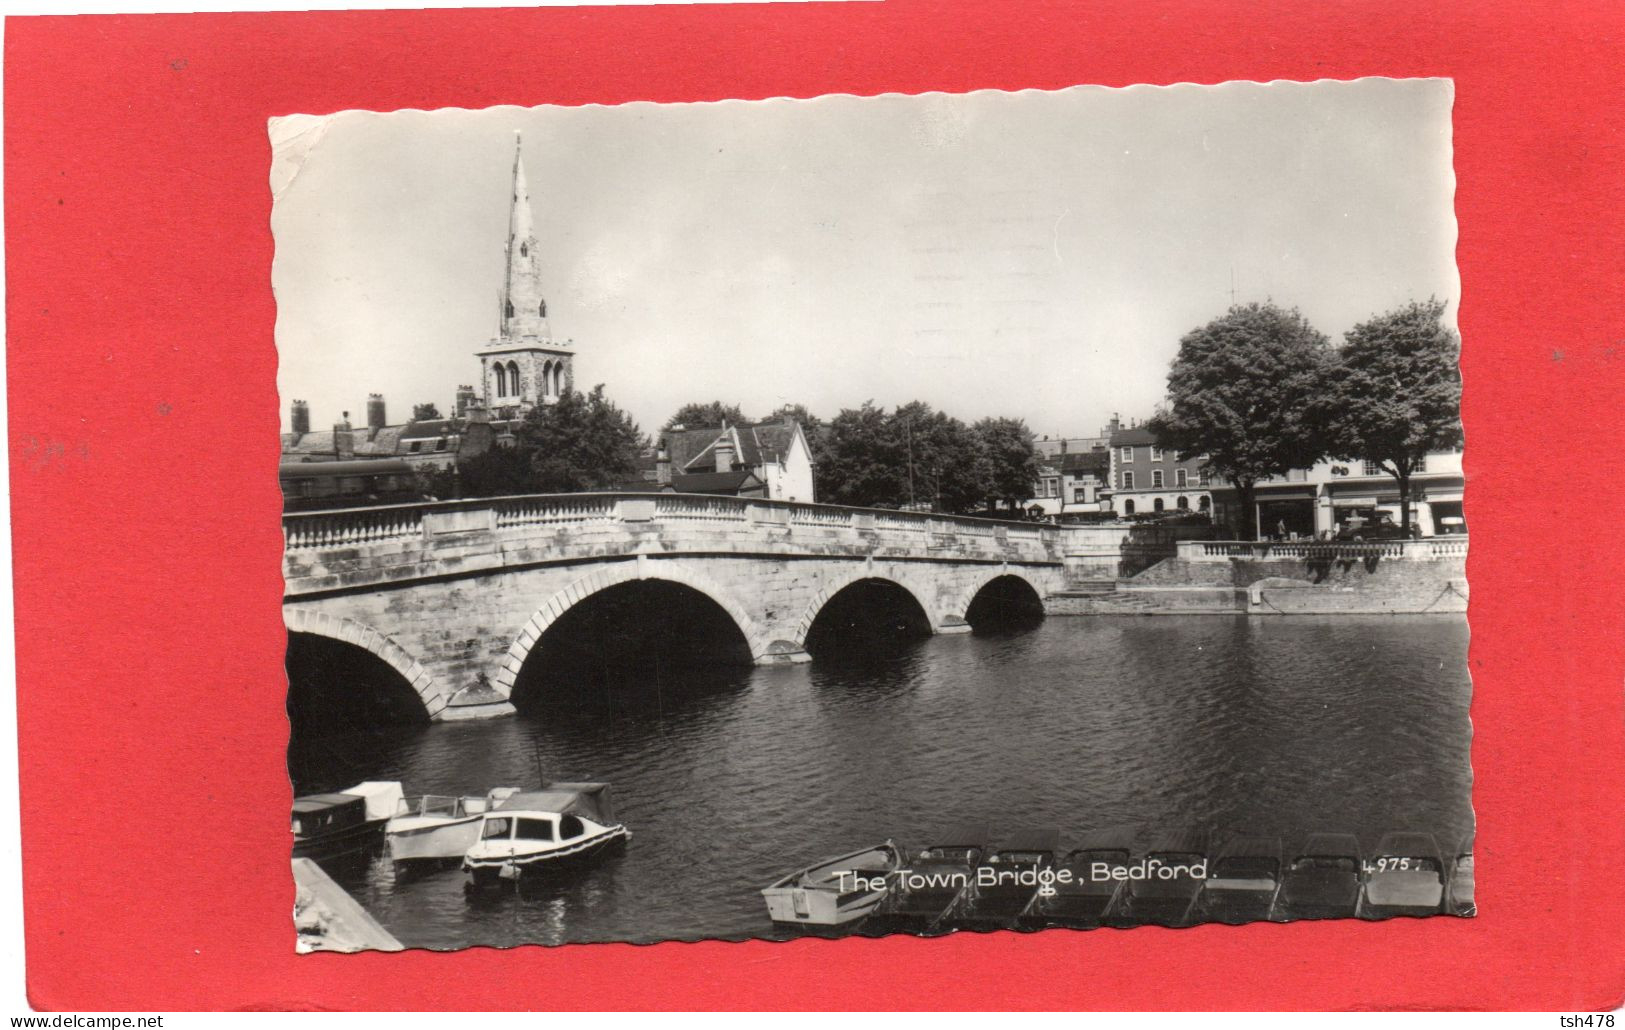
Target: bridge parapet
(362,547)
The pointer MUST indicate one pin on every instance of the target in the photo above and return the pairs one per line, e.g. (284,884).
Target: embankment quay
(460,598)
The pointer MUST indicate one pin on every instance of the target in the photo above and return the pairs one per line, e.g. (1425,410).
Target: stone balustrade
(1430,549)
(343,549)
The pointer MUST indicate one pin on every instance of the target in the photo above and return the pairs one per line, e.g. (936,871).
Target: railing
(356,526)
(678,507)
(351,528)
(532,511)
(1322,550)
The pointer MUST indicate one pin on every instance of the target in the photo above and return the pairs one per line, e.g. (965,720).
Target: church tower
(523,366)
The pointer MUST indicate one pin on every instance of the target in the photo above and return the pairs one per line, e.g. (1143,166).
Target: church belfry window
(524,250)
(502,380)
(543,309)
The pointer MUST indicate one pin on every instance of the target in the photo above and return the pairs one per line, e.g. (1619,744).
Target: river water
(1354,724)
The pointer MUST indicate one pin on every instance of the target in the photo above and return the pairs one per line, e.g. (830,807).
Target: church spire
(524,311)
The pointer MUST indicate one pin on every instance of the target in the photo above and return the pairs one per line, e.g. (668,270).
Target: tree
(858,462)
(1243,392)
(425,412)
(579,442)
(945,464)
(799,412)
(1012,461)
(710,415)
(1394,393)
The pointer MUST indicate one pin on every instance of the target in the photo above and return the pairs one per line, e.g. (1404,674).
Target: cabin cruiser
(1162,887)
(933,879)
(437,828)
(1459,896)
(345,822)
(1404,878)
(1007,880)
(560,825)
(1082,897)
(1323,880)
(835,892)
(1242,881)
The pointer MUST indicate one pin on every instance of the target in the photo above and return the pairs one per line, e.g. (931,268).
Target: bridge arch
(616,575)
(960,611)
(349,631)
(840,583)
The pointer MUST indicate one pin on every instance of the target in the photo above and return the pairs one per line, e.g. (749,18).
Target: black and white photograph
(1005,511)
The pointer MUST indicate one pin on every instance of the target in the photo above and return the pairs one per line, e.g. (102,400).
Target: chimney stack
(465,400)
(343,444)
(725,451)
(662,464)
(375,412)
(300,418)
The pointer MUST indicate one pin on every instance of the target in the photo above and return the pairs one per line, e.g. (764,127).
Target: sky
(1031,254)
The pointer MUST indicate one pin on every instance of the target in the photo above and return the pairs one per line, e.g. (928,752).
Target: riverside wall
(1390,578)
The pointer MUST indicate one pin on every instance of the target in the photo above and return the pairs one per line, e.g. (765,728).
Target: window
(524,250)
(558,379)
(1079,495)
(542,309)
(1128,481)
(1205,475)
(507,309)
(417,445)
(495,828)
(1156,505)
(1183,504)
(570,828)
(440,444)
(513,378)
(1128,454)
(1128,507)
(1420,464)
(1203,504)
(502,378)
(1181,478)
(534,829)
(1156,479)
(1156,454)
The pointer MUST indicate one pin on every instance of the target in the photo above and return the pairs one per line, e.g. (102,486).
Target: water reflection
(1285,726)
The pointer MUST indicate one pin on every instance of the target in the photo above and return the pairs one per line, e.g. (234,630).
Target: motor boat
(1088,889)
(932,880)
(1242,881)
(345,822)
(1459,895)
(1162,887)
(1323,879)
(561,825)
(438,828)
(1405,877)
(1007,880)
(834,892)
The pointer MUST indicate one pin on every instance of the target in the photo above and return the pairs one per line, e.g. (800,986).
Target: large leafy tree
(1394,393)
(710,415)
(945,465)
(425,412)
(579,442)
(1011,460)
(1243,393)
(858,462)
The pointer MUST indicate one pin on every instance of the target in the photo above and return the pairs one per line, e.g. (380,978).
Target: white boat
(434,827)
(559,825)
(834,892)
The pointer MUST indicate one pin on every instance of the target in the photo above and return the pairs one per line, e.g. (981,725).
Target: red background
(144,433)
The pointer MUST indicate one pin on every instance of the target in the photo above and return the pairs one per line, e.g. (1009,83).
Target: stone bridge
(455,596)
